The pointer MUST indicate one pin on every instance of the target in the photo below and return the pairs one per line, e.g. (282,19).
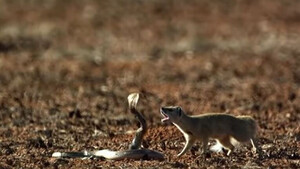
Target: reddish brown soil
(67,67)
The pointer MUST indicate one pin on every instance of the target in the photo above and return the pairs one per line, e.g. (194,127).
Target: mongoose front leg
(188,145)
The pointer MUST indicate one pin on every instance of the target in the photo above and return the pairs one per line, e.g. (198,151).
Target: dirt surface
(67,67)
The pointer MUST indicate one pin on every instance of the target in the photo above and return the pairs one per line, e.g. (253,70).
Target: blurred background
(101,30)
(66,68)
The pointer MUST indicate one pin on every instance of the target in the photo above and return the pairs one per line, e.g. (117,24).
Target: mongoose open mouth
(166,117)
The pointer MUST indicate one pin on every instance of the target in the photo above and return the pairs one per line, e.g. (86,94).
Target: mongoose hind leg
(204,146)
(254,145)
(227,144)
(255,148)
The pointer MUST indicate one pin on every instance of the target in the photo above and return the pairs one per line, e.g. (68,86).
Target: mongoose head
(171,113)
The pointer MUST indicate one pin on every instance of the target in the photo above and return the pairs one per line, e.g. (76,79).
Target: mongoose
(221,127)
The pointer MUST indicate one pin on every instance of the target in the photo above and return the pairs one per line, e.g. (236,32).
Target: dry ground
(66,68)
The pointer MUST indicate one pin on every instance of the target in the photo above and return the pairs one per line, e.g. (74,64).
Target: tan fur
(221,127)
